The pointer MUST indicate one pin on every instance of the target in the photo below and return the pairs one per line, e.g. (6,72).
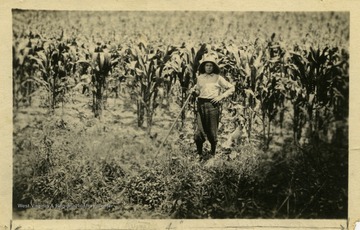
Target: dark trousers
(207,119)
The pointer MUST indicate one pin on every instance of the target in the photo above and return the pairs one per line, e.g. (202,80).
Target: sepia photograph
(180,115)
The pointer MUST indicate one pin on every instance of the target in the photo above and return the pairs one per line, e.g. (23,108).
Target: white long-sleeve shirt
(212,85)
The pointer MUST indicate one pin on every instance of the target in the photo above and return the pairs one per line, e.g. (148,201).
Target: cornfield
(95,92)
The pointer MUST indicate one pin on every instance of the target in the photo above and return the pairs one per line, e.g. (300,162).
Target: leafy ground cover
(72,165)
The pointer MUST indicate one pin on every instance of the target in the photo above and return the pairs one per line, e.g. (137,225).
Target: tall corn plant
(247,66)
(324,89)
(147,80)
(28,66)
(48,65)
(67,67)
(259,86)
(101,66)
(23,69)
(270,89)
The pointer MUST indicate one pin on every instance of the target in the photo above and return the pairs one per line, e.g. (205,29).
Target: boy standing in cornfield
(210,89)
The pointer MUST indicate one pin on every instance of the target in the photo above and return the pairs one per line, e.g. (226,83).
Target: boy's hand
(217,99)
(193,91)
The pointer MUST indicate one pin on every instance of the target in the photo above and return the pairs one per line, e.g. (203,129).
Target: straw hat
(212,60)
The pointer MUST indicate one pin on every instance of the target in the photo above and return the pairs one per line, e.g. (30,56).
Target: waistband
(204,99)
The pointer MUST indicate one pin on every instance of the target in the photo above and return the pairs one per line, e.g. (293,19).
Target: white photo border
(6,7)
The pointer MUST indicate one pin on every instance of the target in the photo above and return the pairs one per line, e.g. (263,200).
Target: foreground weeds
(95,169)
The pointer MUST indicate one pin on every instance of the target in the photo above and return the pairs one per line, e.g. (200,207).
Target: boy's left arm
(230,89)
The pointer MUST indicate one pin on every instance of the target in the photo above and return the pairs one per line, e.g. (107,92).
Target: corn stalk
(101,65)
(147,80)
(323,82)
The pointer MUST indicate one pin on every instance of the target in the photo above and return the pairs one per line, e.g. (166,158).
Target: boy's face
(209,67)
